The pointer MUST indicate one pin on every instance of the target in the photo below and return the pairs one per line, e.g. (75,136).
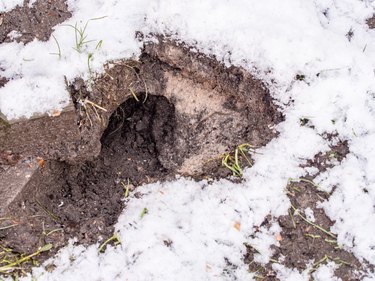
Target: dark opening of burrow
(136,134)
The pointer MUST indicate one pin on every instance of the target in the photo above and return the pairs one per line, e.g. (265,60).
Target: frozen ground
(206,224)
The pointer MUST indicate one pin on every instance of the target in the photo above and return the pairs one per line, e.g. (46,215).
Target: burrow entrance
(173,112)
(136,134)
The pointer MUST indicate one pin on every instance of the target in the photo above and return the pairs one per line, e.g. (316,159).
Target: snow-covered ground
(275,40)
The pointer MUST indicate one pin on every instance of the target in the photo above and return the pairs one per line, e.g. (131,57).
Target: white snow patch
(262,242)
(284,273)
(326,272)
(8,5)
(14,34)
(309,213)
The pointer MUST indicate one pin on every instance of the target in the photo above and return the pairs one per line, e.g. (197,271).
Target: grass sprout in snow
(81,34)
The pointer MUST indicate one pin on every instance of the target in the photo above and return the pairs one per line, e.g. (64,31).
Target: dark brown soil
(33,22)
(371,22)
(301,242)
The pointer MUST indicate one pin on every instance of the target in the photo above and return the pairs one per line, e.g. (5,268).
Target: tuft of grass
(139,79)
(89,58)
(58,47)
(81,34)
(231,160)
(99,45)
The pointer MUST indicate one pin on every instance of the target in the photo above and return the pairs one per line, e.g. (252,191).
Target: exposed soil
(302,242)
(33,22)
(371,22)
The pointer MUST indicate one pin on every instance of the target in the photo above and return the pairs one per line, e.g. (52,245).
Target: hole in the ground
(137,131)
(192,111)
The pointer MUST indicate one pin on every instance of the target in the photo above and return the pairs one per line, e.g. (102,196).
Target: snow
(8,5)
(326,272)
(284,273)
(275,40)
(309,213)
(14,35)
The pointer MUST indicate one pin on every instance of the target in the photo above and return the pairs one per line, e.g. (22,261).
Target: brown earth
(371,22)
(301,242)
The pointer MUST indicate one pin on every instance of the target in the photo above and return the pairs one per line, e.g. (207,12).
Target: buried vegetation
(171,113)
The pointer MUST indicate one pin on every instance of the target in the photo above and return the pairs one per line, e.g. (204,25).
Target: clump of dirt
(3,81)
(371,22)
(300,241)
(36,21)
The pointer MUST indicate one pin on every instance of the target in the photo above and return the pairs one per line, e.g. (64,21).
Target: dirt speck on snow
(371,22)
